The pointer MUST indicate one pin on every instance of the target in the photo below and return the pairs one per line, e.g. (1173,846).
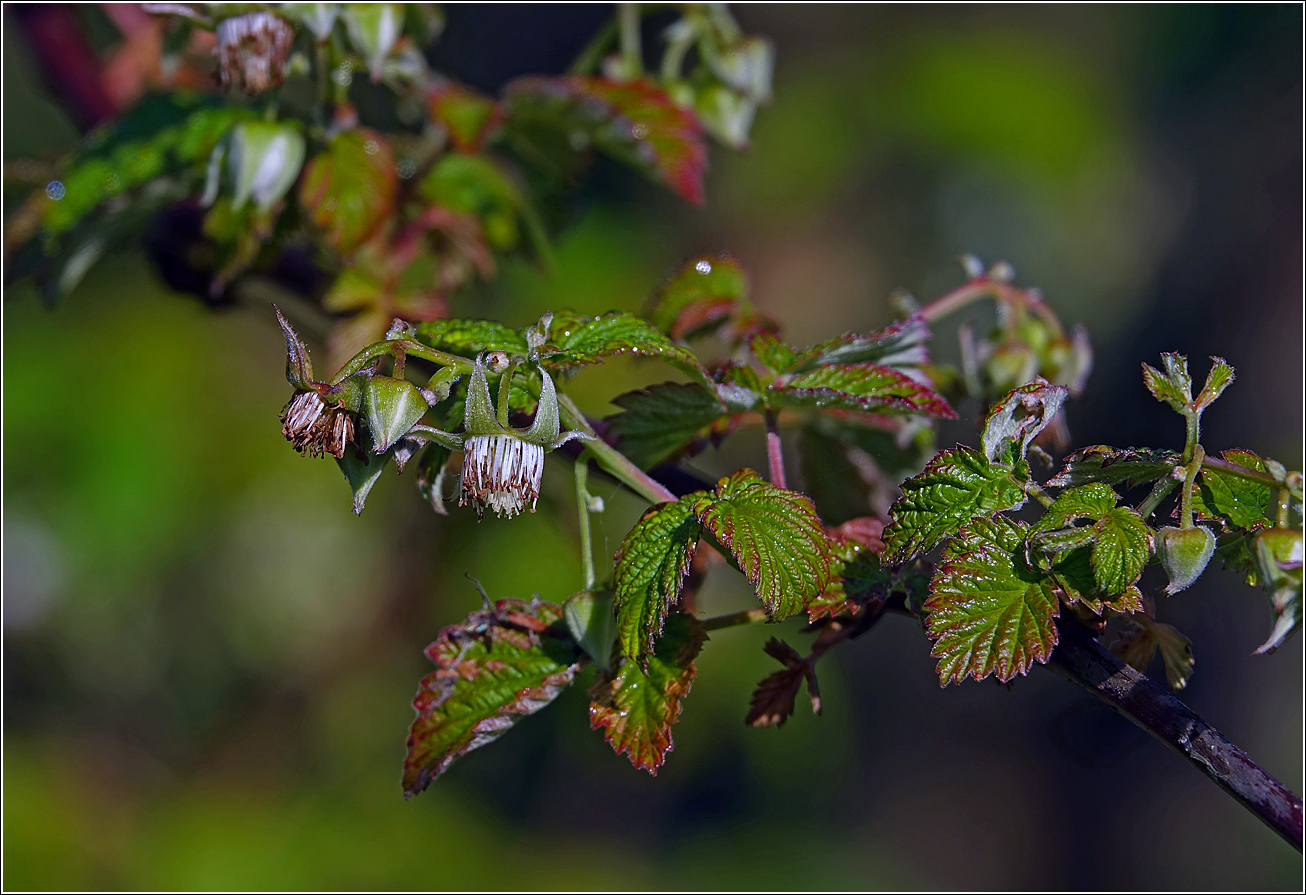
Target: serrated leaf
(1232,500)
(468,338)
(1021,416)
(987,612)
(491,671)
(1138,644)
(1217,381)
(774,536)
(773,701)
(477,185)
(662,420)
(1122,545)
(1074,574)
(635,708)
(1112,466)
(774,354)
(1091,501)
(576,341)
(635,122)
(651,566)
(856,578)
(900,345)
(1173,386)
(858,387)
(349,187)
(705,289)
(959,485)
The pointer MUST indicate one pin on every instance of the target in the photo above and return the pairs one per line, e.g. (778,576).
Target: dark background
(209,659)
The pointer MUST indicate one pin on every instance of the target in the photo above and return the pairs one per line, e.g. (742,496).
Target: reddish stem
(774,456)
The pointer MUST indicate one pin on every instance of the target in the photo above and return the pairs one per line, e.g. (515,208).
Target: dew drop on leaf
(55,190)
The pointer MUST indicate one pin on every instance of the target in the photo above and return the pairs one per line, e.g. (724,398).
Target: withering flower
(252,51)
(314,427)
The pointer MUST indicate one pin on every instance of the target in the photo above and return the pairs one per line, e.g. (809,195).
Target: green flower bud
(1277,554)
(1184,553)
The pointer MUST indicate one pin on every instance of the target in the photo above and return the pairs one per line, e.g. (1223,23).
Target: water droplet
(55,190)
(344,75)
(371,147)
(639,131)
(704,266)
(112,182)
(406,168)
(330,204)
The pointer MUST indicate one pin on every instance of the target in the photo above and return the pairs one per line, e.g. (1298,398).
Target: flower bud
(1184,553)
(1277,554)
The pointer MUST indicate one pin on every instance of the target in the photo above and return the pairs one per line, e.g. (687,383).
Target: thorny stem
(1084,662)
(581,470)
(611,459)
(774,454)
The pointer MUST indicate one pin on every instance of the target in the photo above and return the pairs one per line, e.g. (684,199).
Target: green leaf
(987,612)
(1121,547)
(635,122)
(663,420)
(349,188)
(1074,574)
(1112,466)
(651,566)
(592,625)
(858,578)
(959,485)
(500,665)
(470,117)
(576,341)
(858,387)
(1234,501)
(636,708)
(1138,644)
(774,354)
(1277,567)
(1217,381)
(1174,386)
(774,536)
(478,185)
(1021,416)
(707,289)
(468,338)
(901,345)
(1091,501)
(1121,542)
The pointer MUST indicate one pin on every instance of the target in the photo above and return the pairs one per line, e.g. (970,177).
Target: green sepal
(592,625)
(392,407)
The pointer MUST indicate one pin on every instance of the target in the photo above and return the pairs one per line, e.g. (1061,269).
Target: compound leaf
(959,485)
(636,708)
(1122,544)
(773,535)
(494,669)
(988,612)
(651,565)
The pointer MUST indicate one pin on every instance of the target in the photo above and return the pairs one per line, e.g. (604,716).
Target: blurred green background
(209,659)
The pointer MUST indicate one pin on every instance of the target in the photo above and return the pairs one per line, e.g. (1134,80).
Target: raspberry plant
(1004,567)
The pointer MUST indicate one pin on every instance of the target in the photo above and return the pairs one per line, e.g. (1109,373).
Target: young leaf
(1136,645)
(468,337)
(1074,574)
(635,122)
(349,188)
(1020,416)
(1121,541)
(635,709)
(1277,567)
(959,485)
(706,289)
(773,701)
(1217,381)
(1232,500)
(575,341)
(651,565)
(858,387)
(1174,386)
(773,535)
(856,578)
(660,421)
(1092,501)
(987,612)
(469,117)
(491,671)
(1112,466)
(901,345)
(774,354)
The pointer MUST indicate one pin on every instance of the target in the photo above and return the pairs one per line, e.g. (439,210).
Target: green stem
(589,58)
(632,53)
(611,460)
(1192,433)
(1186,496)
(1158,493)
(1038,494)
(733,619)
(392,347)
(581,471)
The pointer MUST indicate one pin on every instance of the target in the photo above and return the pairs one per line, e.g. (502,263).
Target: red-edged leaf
(349,188)
(988,612)
(470,117)
(858,387)
(663,420)
(633,121)
(1233,501)
(1111,466)
(1174,386)
(774,536)
(651,566)
(635,709)
(705,290)
(900,345)
(491,671)
(576,341)
(773,701)
(1020,416)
